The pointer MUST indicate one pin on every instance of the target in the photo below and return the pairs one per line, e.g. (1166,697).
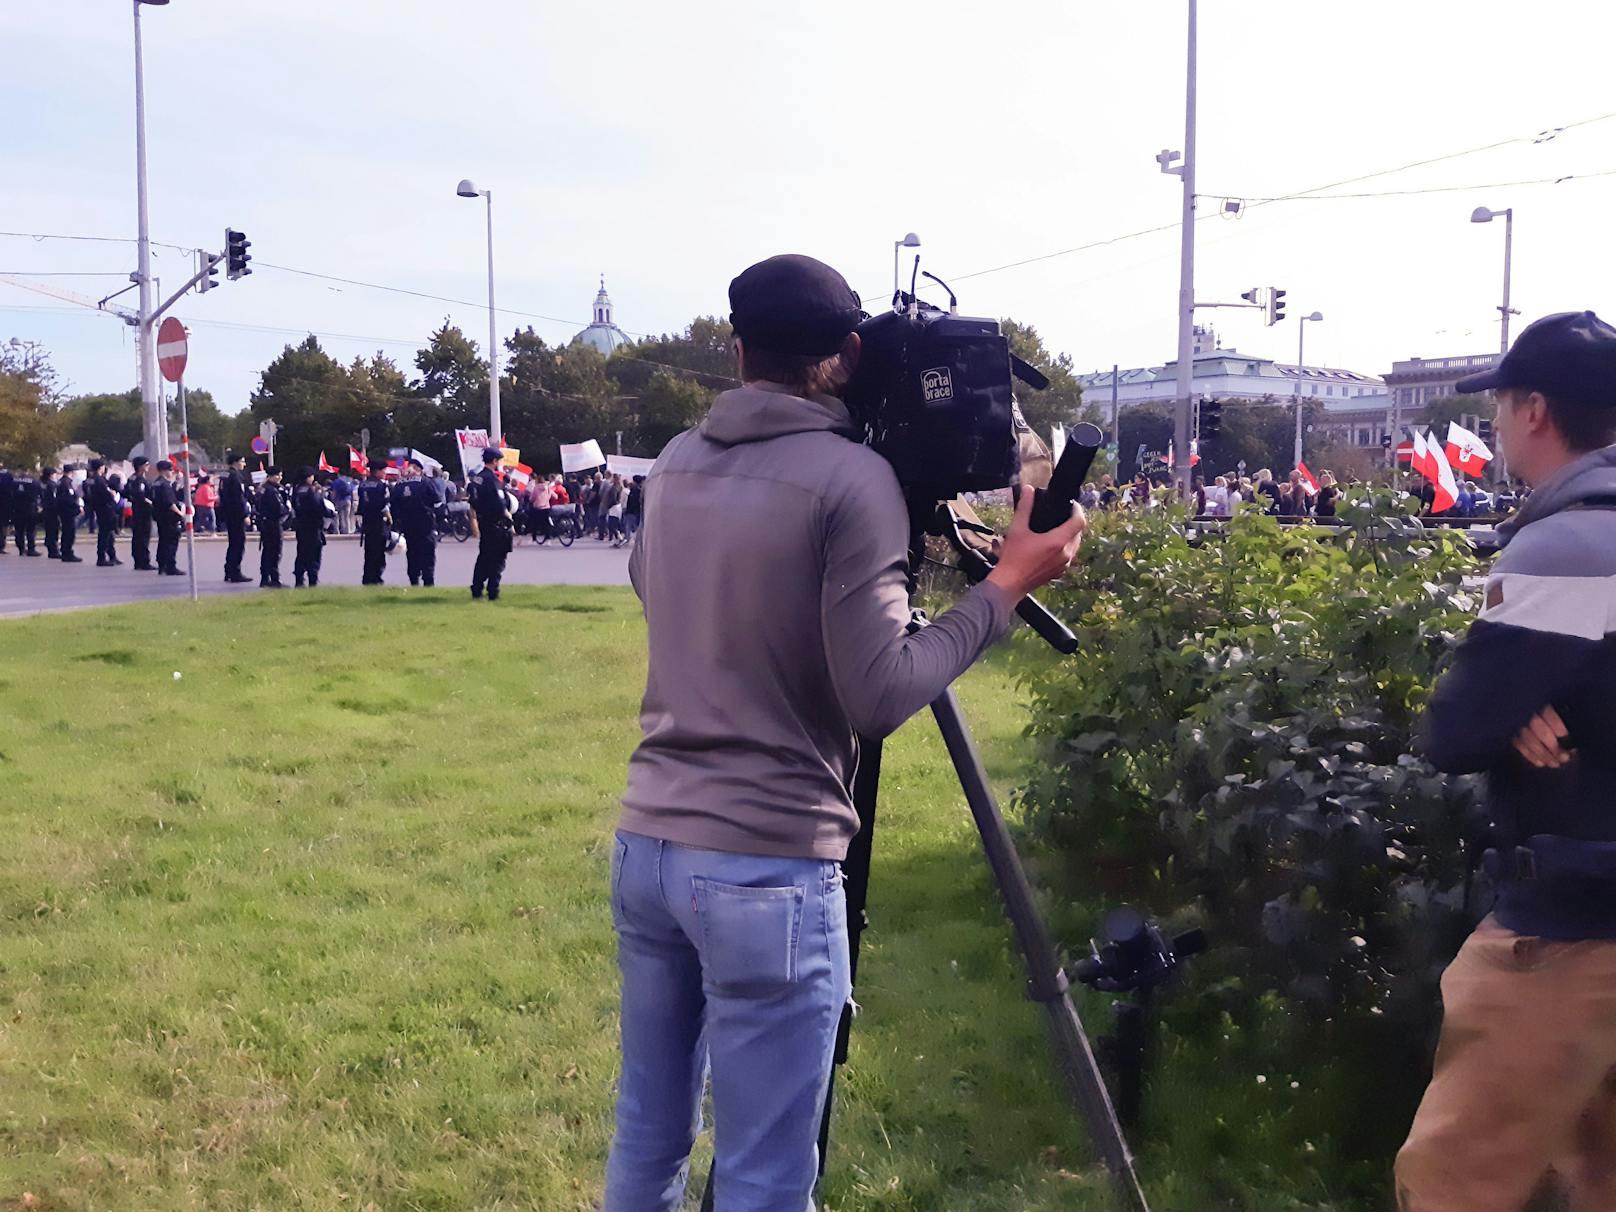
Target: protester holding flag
(1523,1078)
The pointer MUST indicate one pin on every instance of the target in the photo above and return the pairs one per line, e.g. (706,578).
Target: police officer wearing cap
(308,523)
(494,531)
(773,569)
(414,501)
(168,511)
(374,522)
(67,508)
(52,519)
(1523,1097)
(139,492)
(233,497)
(7,486)
(103,503)
(269,515)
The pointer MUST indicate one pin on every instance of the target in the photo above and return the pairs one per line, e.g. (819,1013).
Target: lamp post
(1482,215)
(467,189)
(1301,332)
(909,241)
(154,421)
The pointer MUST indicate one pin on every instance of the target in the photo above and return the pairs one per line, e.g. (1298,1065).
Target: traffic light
(236,255)
(1211,420)
(1276,305)
(1252,295)
(209,268)
(1484,431)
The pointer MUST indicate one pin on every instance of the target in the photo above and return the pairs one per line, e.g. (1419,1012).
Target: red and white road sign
(171,350)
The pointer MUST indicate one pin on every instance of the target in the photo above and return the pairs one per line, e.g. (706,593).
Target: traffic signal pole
(153,421)
(1186,276)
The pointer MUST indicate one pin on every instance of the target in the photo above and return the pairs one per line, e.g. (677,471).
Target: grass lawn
(321,924)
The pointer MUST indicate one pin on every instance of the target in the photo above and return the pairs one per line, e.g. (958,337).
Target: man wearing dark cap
(67,507)
(308,524)
(1523,1097)
(269,515)
(139,492)
(7,487)
(103,503)
(26,498)
(233,512)
(169,513)
(53,519)
(375,521)
(772,564)
(413,504)
(495,534)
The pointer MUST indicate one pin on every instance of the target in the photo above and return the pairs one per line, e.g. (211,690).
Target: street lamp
(909,241)
(153,421)
(468,189)
(1301,331)
(1482,215)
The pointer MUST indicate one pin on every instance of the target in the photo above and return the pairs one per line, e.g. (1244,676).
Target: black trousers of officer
(306,563)
(269,555)
(235,545)
(168,544)
(68,532)
(493,545)
(374,537)
(23,526)
(140,540)
(106,539)
(421,555)
(53,531)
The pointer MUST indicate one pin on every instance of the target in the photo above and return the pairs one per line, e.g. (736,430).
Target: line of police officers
(29,503)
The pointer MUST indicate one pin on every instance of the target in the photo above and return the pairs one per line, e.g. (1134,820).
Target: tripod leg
(1046,983)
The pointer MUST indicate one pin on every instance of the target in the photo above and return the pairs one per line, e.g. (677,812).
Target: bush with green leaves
(1236,744)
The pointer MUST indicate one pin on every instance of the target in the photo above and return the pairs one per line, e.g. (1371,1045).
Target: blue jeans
(736,962)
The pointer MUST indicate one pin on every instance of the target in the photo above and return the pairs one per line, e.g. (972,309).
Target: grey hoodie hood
(760,411)
(1591,475)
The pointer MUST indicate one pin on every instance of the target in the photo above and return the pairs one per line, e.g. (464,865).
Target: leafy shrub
(1236,744)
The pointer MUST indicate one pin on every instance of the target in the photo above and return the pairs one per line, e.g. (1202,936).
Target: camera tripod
(1047,982)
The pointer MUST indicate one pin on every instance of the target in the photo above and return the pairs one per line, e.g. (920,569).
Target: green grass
(321,924)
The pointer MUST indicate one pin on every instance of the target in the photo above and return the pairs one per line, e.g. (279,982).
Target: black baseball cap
(139,461)
(492,454)
(1569,356)
(164,465)
(793,304)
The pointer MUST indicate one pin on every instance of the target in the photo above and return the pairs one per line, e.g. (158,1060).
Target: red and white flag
(1466,452)
(1431,461)
(326,466)
(1308,478)
(357,462)
(521,475)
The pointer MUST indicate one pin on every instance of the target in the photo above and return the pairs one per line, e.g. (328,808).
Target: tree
(706,349)
(314,401)
(109,424)
(558,395)
(30,416)
(668,405)
(1440,411)
(1061,403)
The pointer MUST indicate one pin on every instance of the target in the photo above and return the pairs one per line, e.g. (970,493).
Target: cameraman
(772,565)
(1524,1092)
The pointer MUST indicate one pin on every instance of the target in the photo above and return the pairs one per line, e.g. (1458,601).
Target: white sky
(670,145)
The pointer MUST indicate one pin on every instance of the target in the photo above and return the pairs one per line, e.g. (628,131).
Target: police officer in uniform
(139,490)
(269,515)
(102,501)
(48,510)
(1523,1097)
(374,522)
(168,512)
(68,507)
(414,504)
(26,496)
(308,523)
(233,511)
(7,487)
(495,534)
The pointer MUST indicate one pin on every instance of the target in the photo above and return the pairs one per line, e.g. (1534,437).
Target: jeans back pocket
(749,936)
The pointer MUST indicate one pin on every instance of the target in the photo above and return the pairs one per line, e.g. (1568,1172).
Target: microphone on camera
(1052,506)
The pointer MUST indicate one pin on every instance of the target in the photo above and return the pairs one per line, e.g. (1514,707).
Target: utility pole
(1116,414)
(154,421)
(1186,273)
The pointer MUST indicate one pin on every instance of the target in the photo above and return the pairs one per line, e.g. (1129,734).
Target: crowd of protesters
(607,506)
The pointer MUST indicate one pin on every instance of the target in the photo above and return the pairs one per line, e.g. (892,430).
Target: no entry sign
(171,350)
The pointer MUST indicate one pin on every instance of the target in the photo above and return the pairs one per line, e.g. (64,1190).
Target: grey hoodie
(772,566)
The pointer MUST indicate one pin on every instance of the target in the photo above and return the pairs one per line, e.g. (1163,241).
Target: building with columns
(602,333)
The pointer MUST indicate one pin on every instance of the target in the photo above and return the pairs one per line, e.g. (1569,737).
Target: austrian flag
(1465,451)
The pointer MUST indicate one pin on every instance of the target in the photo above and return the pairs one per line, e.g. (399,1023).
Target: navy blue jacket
(1546,635)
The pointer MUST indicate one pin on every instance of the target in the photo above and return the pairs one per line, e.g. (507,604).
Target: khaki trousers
(1523,1098)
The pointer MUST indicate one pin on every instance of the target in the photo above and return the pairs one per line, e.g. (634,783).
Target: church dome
(602,333)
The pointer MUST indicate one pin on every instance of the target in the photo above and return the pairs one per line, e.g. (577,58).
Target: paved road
(31,586)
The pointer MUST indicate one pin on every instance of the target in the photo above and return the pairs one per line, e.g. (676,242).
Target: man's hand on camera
(1028,560)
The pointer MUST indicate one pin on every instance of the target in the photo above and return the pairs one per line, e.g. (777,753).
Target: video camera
(933,392)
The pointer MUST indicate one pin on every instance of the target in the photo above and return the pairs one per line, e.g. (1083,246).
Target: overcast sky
(670,145)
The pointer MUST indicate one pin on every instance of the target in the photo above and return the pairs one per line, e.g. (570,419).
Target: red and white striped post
(173,351)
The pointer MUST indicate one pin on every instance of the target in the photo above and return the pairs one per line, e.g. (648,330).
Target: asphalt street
(31,586)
